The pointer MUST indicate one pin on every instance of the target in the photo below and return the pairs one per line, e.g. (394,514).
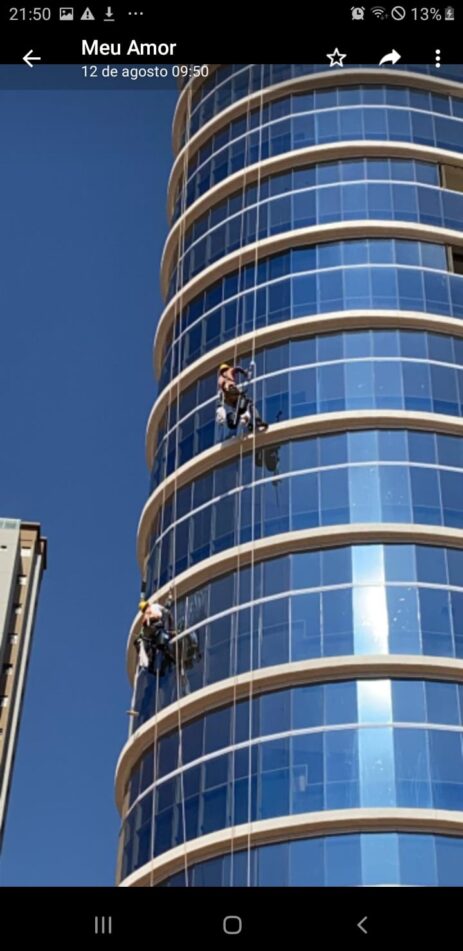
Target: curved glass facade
(373,274)
(358,600)
(307,710)
(302,120)
(319,194)
(318,728)
(334,746)
(382,369)
(381,858)
(227,84)
(345,478)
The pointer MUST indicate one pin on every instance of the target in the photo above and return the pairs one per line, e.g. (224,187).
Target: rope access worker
(235,406)
(156,635)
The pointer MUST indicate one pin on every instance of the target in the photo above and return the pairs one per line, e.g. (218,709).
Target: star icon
(336,58)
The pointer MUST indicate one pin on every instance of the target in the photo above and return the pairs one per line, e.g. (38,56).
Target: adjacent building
(316,227)
(23,559)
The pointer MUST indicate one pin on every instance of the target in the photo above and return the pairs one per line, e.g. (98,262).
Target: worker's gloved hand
(220,416)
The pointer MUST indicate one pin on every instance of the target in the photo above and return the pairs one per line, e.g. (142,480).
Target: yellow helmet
(224,366)
(143,605)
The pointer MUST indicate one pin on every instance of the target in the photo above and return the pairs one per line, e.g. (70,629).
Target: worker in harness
(234,405)
(156,635)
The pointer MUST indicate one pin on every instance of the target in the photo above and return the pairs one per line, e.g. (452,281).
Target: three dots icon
(437,59)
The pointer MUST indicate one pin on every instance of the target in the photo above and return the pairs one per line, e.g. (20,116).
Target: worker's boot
(261,426)
(260,423)
(254,421)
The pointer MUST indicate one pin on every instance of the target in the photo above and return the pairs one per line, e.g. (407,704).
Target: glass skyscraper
(316,227)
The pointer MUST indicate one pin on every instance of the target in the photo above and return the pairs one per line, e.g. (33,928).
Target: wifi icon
(379,12)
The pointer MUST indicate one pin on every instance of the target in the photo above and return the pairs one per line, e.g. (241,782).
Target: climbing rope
(236,616)
(178,313)
(253,490)
(179,641)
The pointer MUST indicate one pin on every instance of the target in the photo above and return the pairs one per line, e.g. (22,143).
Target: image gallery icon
(66,13)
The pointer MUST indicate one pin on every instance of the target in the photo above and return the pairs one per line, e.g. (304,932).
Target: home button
(232,924)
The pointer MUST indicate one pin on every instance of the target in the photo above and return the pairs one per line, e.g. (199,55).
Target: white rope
(253,487)
(154,794)
(179,648)
(179,644)
(236,617)
(178,313)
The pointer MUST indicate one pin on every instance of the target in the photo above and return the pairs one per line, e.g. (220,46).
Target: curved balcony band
(440,825)
(307,98)
(332,373)
(361,477)
(202,98)
(368,859)
(317,156)
(300,696)
(281,433)
(311,270)
(366,765)
(361,326)
(136,769)
(369,189)
(304,540)
(361,114)
(384,743)
(304,709)
(392,599)
(326,746)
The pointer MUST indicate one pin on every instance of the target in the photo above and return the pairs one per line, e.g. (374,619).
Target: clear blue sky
(83,180)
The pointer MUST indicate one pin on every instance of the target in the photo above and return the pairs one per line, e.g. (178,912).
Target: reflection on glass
(380,859)
(371,626)
(377,773)
(374,701)
(373,858)
(367,564)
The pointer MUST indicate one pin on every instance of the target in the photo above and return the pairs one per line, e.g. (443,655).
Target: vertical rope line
(253,485)
(154,794)
(179,643)
(237,587)
(178,313)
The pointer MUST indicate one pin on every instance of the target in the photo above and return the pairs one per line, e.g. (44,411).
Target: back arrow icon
(392,57)
(28,59)
(361,923)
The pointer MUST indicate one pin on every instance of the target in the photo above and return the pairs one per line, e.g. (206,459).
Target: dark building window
(457,256)
(452,177)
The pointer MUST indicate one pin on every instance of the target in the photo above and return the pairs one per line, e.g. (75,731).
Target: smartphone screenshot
(231,482)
